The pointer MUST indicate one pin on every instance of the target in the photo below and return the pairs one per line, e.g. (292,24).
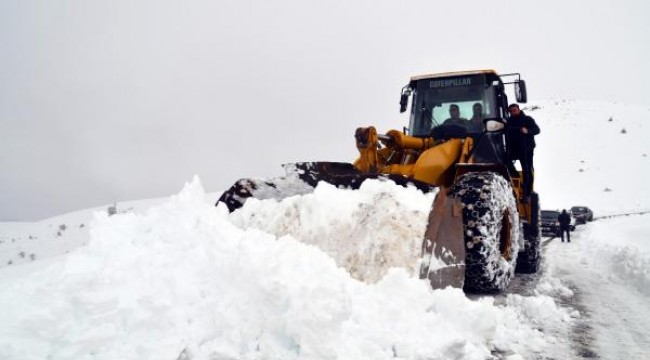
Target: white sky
(117,100)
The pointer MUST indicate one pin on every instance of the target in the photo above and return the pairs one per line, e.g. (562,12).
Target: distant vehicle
(550,224)
(582,214)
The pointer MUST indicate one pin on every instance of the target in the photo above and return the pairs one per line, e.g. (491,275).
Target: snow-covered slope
(178,278)
(593,154)
(22,242)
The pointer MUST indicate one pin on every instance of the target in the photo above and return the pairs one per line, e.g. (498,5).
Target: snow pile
(366,231)
(620,246)
(181,281)
(552,286)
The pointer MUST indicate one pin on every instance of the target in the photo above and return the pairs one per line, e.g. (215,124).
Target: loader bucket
(302,178)
(443,247)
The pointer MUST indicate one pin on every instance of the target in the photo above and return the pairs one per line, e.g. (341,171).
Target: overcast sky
(104,101)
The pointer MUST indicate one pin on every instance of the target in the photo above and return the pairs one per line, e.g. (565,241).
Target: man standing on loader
(521,139)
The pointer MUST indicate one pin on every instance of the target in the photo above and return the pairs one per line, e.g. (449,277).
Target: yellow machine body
(428,160)
(422,159)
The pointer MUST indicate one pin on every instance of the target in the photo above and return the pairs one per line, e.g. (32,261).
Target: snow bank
(367,231)
(621,247)
(607,263)
(184,281)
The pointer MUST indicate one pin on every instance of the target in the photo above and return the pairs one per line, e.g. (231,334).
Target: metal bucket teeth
(302,177)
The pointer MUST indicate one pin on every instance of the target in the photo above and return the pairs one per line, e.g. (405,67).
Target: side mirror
(402,103)
(520,91)
(404,99)
(494,124)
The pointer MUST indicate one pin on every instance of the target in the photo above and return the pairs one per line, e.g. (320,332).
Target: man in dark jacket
(520,135)
(565,225)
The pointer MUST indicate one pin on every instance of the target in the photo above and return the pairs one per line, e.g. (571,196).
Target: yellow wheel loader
(482,225)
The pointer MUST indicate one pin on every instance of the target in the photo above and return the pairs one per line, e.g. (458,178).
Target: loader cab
(436,97)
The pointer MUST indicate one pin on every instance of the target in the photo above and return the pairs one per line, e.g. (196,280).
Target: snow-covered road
(608,269)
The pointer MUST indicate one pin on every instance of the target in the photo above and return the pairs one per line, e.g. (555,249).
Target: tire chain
(482,273)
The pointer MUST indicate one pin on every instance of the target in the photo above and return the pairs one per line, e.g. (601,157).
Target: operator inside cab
(458,126)
(475,124)
(454,117)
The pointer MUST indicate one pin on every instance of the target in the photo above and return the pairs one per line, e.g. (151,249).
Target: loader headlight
(494,125)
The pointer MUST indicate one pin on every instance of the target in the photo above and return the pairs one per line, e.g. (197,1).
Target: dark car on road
(582,214)
(550,224)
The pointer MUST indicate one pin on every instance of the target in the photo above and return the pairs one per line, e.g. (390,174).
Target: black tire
(491,230)
(531,253)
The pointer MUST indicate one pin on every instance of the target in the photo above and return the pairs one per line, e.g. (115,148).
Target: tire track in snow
(582,338)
